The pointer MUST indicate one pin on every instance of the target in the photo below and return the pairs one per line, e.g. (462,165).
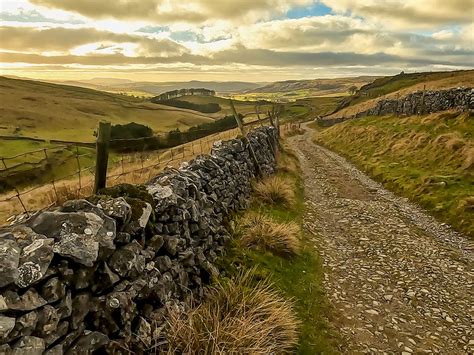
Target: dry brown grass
(466,203)
(259,231)
(275,190)
(288,162)
(451,141)
(238,316)
(468,154)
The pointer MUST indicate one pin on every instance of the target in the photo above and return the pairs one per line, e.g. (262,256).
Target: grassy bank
(428,159)
(297,276)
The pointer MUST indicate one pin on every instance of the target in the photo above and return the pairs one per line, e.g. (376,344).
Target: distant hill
(51,111)
(156,88)
(318,87)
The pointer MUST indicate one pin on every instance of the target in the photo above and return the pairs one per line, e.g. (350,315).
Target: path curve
(399,281)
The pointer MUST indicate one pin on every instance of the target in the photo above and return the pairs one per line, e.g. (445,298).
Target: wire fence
(136,168)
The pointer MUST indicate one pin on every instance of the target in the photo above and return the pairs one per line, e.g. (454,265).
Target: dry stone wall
(420,102)
(100,275)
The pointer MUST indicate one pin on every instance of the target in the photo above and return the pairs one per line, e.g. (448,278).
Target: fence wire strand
(80,182)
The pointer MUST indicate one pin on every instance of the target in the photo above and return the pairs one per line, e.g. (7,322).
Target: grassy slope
(50,111)
(310,108)
(429,159)
(299,278)
(401,85)
(321,105)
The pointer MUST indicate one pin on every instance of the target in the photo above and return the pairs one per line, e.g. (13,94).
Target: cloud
(240,35)
(403,13)
(335,33)
(239,55)
(26,39)
(166,11)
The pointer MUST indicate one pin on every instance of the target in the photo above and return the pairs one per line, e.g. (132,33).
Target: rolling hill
(50,111)
(317,87)
(143,88)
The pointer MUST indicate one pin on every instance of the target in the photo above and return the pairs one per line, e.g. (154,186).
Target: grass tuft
(239,316)
(275,190)
(257,230)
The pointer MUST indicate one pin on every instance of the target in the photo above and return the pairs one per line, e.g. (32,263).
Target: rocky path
(399,281)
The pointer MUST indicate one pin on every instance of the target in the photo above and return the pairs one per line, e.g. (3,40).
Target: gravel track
(399,281)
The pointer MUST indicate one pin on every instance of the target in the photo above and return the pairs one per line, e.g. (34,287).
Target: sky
(227,40)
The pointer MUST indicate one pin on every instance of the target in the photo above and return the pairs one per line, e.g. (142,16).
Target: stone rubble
(92,274)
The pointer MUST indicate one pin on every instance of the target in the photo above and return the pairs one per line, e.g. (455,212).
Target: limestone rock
(29,345)
(64,308)
(156,242)
(48,320)
(88,343)
(61,331)
(28,301)
(80,308)
(6,326)
(127,261)
(34,261)
(77,235)
(9,259)
(116,208)
(171,244)
(53,290)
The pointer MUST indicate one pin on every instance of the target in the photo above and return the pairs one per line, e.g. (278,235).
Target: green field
(429,159)
(10,148)
(41,166)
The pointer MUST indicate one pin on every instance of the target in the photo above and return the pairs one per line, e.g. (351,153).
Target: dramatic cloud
(414,13)
(65,39)
(236,38)
(165,11)
(241,55)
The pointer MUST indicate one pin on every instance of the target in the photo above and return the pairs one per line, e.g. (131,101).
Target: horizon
(275,40)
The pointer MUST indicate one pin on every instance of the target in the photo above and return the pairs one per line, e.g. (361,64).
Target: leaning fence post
(18,196)
(246,140)
(102,156)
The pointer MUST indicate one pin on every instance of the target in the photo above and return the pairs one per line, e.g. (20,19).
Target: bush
(239,316)
(275,190)
(130,131)
(256,230)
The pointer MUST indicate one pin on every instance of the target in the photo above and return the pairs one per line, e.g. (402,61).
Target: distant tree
(353,90)
(182,92)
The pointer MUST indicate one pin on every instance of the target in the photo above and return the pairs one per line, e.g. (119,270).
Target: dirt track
(398,280)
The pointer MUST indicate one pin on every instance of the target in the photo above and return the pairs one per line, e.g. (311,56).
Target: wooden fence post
(237,118)
(102,156)
(246,140)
